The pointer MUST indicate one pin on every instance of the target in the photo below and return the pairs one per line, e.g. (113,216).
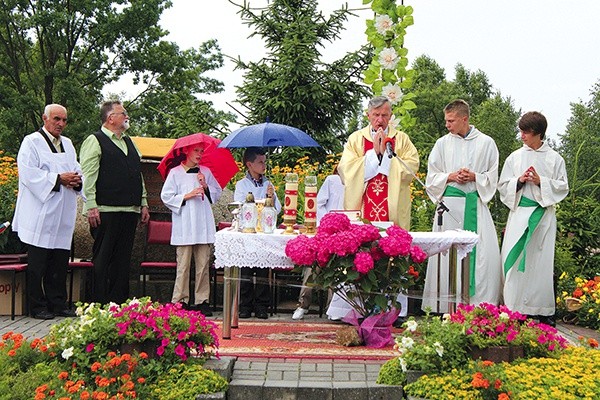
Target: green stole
(469,224)
(521,245)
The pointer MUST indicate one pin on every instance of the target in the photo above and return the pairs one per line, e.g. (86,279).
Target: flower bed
(579,300)
(77,360)
(435,345)
(178,333)
(574,374)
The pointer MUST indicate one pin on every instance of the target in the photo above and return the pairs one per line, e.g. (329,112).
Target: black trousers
(113,244)
(254,296)
(46,279)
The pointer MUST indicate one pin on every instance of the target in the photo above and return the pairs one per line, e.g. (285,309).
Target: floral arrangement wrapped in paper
(365,267)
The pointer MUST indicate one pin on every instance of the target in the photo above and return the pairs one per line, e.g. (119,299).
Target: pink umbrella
(219,160)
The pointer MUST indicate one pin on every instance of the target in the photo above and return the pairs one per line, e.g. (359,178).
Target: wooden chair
(76,264)
(14,264)
(158,233)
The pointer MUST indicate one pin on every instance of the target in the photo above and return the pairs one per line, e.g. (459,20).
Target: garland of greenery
(388,74)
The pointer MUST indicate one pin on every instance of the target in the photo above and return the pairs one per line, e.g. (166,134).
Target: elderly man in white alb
(463,171)
(50,180)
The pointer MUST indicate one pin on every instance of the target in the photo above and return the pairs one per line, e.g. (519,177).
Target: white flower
(411,325)
(388,58)
(403,364)
(446,318)
(67,353)
(392,92)
(407,342)
(503,316)
(383,24)
(439,349)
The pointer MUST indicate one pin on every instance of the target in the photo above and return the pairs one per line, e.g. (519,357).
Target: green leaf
(409,105)
(389,76)
(378,86)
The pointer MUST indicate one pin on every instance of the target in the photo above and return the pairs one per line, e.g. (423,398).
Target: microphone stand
(441,209)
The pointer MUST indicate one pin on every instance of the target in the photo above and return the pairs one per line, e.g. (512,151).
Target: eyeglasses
(120,113)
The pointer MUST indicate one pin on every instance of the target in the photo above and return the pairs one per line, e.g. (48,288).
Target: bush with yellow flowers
(9,186)
(573,375)
(579,300)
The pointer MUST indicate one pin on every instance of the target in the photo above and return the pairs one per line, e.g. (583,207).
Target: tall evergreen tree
(292,85)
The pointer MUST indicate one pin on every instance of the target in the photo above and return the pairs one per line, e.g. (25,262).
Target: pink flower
(417,254)
(89,348)
(301,250)
(334,222)
(363,262)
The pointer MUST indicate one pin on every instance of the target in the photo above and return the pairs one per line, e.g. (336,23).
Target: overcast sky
(544,54)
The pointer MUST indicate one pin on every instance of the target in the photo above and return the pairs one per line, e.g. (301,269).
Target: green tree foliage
(490,113)
(292,85)
(579,214)
(64,51)
(580,146)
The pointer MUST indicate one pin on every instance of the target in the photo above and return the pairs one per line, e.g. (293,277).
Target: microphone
(389,147)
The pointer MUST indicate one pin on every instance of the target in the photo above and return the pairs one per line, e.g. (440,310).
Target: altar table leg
(466,279)
(452,298)
(235,293)
(227,300)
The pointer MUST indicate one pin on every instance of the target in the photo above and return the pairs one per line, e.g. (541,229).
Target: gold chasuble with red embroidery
(375,199)
(381,197)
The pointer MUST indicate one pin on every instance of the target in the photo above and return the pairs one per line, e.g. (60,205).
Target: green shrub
(185,381)
(391,373)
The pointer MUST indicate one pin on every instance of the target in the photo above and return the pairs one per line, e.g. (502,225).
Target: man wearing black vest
(115,198)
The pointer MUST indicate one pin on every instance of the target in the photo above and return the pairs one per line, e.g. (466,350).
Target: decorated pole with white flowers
(388,74)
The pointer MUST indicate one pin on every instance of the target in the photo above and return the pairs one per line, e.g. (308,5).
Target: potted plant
(498,334)
(365,267)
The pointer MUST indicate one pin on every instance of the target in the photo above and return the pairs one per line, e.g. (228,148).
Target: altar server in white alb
(463,171)
(50,179)
(188,192)
(329,198)
(532,182)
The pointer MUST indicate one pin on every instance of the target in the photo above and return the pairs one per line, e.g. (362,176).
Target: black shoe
(244,314)
(548,320)
(44,314)
(204,308)
(399,322)
(261,314)
(66,312)
(184,305)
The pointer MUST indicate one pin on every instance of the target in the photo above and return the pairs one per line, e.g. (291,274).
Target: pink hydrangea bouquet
(375,266)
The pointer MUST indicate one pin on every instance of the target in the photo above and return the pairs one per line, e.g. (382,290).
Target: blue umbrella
(268,134)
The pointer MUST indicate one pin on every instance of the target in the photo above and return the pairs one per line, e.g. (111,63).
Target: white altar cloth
(234,250)
(261,250)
